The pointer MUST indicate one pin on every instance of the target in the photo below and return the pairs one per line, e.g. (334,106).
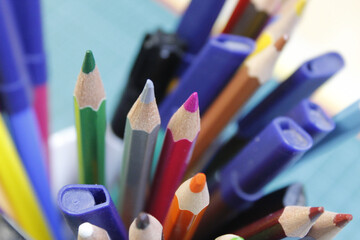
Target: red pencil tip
(341,220)
(315,212)
(192,103)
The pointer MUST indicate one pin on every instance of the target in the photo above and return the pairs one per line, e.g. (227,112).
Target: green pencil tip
(89,62)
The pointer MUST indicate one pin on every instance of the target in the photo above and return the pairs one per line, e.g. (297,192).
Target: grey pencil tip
(148,94)
(142,221)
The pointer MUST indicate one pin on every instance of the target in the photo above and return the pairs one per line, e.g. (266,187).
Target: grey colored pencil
(146,227)
(141,130)
(87,231)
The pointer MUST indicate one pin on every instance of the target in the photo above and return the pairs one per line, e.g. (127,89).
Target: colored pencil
(291,195)
(229,237)
(146,227)
(88,231)
(152,63)
(235,15)
(13,180)
(21,118)
(301,84)
(187,208)
(291,221)
(214,65)
(313,119)
(90,121)
(235,187)
(141,130)
(180,138)
(28,16)
(254,17)
(328,225)
(254,72)
(81,203)
(284,25)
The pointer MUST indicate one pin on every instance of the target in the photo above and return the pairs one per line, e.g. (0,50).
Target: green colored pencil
(90,120)
(141,130)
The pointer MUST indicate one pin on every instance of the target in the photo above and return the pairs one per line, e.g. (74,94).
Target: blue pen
(195,27)
(82,203)
(347,125)
(312,118)
(20,115)
(208,74)
(28,19)
(236,186)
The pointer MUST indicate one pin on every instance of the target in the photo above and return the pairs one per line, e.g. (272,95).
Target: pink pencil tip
(192,103)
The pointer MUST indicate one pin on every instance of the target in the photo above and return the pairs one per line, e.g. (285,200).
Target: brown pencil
(251,75)
(328,226)
(292,221)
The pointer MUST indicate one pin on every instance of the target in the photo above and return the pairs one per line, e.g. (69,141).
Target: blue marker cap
(197,21)
(312,118)
(28,17)
(301,84)
(209,73)
(81,203)
(281,143)
(13,73)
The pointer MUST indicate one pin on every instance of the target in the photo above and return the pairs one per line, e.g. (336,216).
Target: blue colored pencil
(20,114)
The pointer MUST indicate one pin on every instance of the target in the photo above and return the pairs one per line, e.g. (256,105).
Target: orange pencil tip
(341,220)
(197,183)
(315,212)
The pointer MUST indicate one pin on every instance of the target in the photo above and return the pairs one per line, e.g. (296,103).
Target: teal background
(113,30)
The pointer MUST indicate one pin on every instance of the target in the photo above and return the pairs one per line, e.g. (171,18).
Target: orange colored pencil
(187,208)
(328,226)
(254,72)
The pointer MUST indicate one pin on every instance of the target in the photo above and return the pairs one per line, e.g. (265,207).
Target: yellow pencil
(17,188)
(5,205)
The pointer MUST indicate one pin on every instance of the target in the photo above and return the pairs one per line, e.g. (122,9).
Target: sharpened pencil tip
(341,220)
(280,43)
(315,212)
(300,5)
(86,230)
(88,63)
(192,103)
(197,183)
(147,95)
(142,221)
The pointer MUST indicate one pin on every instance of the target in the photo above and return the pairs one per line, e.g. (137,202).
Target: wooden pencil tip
(341,220)
(86,230)
(88,63)
(147,95)
(300,5)
(192,103)
(142,220)
(280,43)
(197,183)
(315,212)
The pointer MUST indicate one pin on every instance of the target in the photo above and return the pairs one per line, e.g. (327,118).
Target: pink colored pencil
(181,134)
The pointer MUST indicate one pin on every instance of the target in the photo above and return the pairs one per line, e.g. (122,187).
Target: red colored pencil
(291,221)
(238,11)
(328,226)
(181,134)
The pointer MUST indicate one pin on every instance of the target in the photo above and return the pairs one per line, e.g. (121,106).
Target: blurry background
(114,29)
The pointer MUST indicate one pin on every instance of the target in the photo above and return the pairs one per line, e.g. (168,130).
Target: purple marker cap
(301,84)
(281,143)
(81,203)
(312,118)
